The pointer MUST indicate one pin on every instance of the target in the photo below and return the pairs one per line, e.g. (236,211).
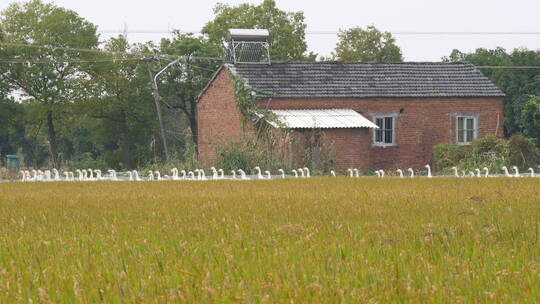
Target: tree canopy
(287,29)
(370,44)
(49,78)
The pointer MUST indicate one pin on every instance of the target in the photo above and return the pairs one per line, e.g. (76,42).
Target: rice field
(300,240)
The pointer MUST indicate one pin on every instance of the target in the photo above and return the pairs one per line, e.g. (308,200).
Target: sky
(396,16)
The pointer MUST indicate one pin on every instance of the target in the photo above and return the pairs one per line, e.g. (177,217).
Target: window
(466,129)
(384,135)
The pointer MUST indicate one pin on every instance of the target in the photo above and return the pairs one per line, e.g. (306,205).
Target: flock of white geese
(219,174)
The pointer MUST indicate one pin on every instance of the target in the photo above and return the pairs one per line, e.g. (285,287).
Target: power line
(509,67)
(30,61)
(322,32)
(140,55)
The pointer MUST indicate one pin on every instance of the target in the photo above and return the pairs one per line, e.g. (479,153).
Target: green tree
(370,44)
(117,92)
(181,84)
(517,84)
(45,75)
(530,118)
(287,29)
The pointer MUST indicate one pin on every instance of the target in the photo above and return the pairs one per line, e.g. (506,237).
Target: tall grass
(301,240)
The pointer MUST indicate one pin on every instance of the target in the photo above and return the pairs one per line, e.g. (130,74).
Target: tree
(517,84)
(287,29)
(116,92)
(45,75)
(530,118)
(182,83)
(370,44)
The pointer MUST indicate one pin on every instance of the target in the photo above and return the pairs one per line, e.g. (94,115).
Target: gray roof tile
(361,80)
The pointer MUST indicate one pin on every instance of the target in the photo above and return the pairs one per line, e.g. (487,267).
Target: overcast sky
(330,16)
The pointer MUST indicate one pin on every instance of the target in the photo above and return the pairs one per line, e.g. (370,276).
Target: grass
(304,240)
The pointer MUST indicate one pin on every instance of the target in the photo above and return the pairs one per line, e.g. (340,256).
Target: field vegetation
(300,240)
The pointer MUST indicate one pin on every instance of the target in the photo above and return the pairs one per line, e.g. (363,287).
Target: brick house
(375,115)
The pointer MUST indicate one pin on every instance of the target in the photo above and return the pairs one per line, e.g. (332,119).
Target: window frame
(374,117)
(464,131)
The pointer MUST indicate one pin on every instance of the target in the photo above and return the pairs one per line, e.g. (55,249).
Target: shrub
(490,144)
(489,151)
(235,156)
(448,155)
(522,152)
(85,160)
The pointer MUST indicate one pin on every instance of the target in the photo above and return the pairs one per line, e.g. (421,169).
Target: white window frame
(384,116)
(466,117)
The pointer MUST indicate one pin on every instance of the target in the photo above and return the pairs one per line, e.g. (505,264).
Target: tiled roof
(360,80)
(323,119)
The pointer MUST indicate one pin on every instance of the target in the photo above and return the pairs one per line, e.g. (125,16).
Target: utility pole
(155,93)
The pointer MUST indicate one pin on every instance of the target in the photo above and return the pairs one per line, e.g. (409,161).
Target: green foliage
(448,155)
(523,152)
(530,117)
(370,44)
(181,83)
(287,29)
(233,156)
(490,144)
(490,151)
(246,155)
(52,81)
(85,161)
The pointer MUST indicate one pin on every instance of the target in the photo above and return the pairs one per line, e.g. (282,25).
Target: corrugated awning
(324,119)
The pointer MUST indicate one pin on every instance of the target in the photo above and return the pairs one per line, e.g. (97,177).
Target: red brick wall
(218,119)
(422,123)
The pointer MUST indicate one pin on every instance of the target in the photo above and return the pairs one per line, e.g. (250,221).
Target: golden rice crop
(300,240)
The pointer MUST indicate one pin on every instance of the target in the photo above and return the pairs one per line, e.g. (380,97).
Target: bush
(448,155)
(235,156)
(490,144)
(85,161)
(522,152)
(490,152)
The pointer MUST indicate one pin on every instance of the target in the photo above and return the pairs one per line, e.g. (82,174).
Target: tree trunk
(158,111)
(124,142)
(53,143)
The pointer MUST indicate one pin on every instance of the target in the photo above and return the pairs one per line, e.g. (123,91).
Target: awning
(324,119)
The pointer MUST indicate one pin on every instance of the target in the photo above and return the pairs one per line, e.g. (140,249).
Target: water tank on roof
(248,46)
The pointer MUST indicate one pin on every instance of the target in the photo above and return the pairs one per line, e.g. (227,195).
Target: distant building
(375,115)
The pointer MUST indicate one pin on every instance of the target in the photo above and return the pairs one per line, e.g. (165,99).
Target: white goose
(428,167)
(411,171)
(301,172)
(400,172)
(242,174)
(516,174)
(259,174)
(477,172)
(506,173)
(233,174)
(356,172)
(221,174)
(350,172)
(282,172)
(486,172)
(306,169)
(268,175)
(333,173)
(295,173)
